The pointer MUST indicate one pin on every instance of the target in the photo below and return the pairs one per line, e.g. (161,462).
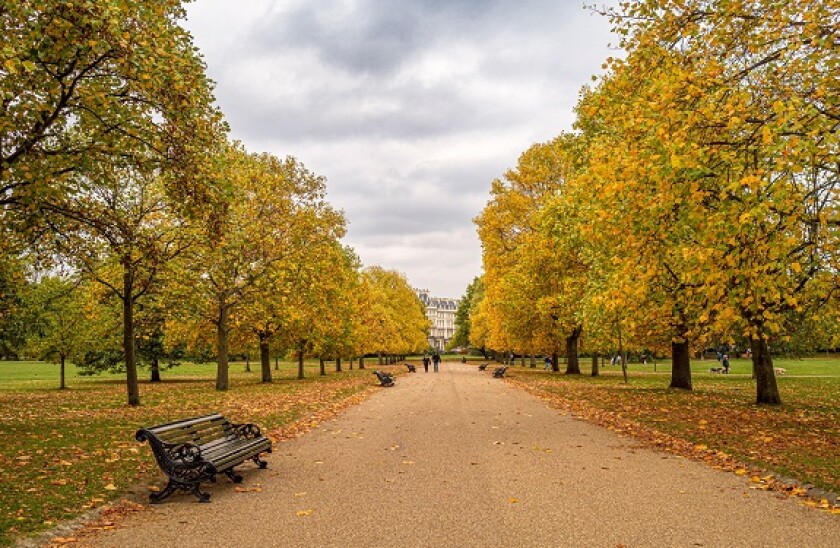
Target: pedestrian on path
(436,361)
(426,363)
(547,365)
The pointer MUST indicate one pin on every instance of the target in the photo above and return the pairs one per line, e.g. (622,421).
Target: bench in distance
(385,379)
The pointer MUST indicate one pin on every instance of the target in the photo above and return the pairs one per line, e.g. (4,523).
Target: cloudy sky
(410,108)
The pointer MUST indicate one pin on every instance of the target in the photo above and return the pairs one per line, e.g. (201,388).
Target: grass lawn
(718,421)
(63,452)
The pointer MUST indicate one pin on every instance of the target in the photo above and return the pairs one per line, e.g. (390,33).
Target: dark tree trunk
(62,384)
(322,366)
(247,362)
(128,337)
(265,357)
(222,348)
(362,361)
(155,369)
(572,361)
(555,362)
(300,361)
(767,390)
(277,363)
(338,365)
(680,365)
(352,359)
(380,359)
(595,369)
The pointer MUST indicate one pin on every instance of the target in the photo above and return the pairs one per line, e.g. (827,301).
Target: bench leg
(261,463)
(234,477)
(172,486)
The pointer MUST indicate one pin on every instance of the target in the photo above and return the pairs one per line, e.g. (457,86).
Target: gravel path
(459,458)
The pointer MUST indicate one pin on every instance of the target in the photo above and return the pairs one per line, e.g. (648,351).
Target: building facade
(441,314)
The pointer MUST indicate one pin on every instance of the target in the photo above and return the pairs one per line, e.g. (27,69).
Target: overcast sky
(409,108)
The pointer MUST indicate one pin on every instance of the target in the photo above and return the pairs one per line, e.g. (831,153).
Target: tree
(57,312)
(533,281)
(121,232)
(752,144)
(79,79)
(275,210)
(461,338)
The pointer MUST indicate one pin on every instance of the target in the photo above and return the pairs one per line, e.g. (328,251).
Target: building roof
(441,303)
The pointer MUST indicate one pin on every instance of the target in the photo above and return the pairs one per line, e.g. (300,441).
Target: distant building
(441,312)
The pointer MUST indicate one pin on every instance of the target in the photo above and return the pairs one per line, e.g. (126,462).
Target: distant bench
(482,367)
(194,450)
(499,372)
(385,379)
(411,368)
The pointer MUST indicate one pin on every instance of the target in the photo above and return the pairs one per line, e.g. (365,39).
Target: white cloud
(409,108)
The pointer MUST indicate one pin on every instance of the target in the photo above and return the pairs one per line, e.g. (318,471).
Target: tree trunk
(362,361)
(322,365)
(128,337)
(277,363)
(222,347)
(155,369)
(380,359)
(595,369)
(247,362)
(352,359)
(680,365)
(623,356)
(300,361)
(533,361)
(572,361)
(767,390)
(555,362)
(62,385)
(265,357)
(338,365)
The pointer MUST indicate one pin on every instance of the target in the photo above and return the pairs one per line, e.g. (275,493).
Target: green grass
(63,452)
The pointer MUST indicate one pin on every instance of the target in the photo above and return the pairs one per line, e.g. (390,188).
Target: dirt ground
(459,458)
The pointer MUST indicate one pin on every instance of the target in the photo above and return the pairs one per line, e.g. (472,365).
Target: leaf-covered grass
(63,452)
(718,421)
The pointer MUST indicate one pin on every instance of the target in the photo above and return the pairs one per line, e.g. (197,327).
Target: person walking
(426,363)
(436,361)
(547,365)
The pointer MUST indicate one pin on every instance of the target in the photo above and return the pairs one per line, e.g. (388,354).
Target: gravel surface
(459,458)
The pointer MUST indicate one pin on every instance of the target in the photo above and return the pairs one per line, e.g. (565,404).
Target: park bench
(385,379)
(482,367)
(499,372)
(411,368)
(194,450)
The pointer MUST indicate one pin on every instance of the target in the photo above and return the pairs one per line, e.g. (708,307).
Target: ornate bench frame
(194,450)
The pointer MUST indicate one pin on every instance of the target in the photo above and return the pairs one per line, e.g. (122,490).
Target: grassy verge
(63,452)
(717,421)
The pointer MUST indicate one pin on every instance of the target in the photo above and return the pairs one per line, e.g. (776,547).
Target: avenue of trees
(696,203)
(134,232)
